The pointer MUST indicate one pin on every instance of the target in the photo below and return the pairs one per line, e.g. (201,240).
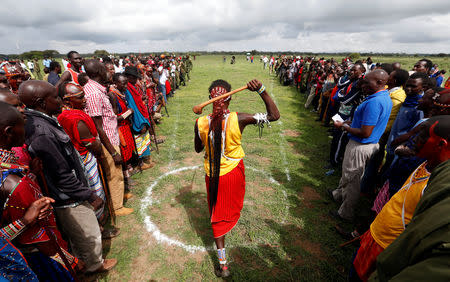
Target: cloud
(178,25)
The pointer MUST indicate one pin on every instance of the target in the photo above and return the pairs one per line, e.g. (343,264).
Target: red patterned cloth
(150,98)
(22,154)
(26,192)
(127,145)
(137,94)
(168,88)
(366,259)
(69,120)
(382,198)
(230,200)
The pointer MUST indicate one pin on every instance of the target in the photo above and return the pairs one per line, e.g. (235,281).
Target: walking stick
(107,194)
(153,125)
(349,242)
(52,236)
(165,108)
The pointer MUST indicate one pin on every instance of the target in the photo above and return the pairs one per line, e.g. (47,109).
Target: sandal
(110,233)
(222,271)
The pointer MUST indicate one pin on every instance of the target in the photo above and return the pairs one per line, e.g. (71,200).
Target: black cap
(133,71)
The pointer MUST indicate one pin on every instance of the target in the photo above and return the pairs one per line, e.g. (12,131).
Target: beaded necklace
(9,164)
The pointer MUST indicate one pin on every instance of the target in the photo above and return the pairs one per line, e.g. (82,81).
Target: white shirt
(65,63)
(163,76)
(118,69)
(265,60)
(30,65)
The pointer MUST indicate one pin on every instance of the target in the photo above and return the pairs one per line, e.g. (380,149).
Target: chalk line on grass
(163,238)
(151,227)
(173,147)
(283,139)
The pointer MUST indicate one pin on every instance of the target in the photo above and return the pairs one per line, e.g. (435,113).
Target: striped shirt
(98,105)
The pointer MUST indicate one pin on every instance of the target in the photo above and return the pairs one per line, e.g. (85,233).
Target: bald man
(75,202)
(99,108)
(364,131)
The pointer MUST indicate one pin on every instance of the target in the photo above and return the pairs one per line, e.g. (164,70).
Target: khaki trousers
(355,159)
(81,227)
(114,175)
(312,94)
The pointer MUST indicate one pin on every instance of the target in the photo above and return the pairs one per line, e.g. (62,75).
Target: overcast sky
(410,26)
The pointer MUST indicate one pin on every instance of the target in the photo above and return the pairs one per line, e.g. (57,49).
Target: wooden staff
(349,242)
(198,108)
(153,126)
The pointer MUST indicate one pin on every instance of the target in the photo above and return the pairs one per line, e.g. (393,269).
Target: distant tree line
(35,54)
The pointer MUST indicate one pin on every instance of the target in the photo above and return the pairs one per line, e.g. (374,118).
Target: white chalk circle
(151,227)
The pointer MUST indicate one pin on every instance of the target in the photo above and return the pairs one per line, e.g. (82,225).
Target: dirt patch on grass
(264,160)
(294,147)
(291,133)
(313,248)
(192,159)
(308,196)
(255,188)
(298,260)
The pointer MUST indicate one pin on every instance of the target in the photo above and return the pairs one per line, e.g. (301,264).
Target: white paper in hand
(337,117)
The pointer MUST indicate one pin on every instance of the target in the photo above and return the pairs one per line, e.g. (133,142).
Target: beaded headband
(69,95)
(218,91)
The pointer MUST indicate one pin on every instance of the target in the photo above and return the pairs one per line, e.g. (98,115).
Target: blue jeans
(163,90)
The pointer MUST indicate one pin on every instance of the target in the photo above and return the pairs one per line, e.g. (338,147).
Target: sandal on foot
(110,233)
(222,271)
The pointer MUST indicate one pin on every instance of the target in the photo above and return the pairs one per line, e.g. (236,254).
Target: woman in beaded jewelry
(26,215)
(220,135)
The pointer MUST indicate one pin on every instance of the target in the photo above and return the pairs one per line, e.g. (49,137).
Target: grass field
(284,232)
(406,61)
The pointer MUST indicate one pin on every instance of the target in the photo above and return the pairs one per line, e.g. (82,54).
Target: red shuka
(124,126)
(230,200)
(137,94)
(69,120)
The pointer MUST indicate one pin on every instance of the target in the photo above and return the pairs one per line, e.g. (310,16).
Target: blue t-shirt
(373,111)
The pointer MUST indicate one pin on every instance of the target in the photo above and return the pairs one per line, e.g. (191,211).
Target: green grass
(284,232)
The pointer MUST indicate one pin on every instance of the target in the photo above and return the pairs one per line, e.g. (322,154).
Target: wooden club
(198,108)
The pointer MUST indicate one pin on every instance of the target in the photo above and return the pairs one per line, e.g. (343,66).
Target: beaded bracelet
(261,90)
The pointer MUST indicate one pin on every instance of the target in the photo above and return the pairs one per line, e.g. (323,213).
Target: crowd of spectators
(389,129)
(69,144)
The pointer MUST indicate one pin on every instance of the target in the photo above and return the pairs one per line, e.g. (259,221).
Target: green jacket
(422,251)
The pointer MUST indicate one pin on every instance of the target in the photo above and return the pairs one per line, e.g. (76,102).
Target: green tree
(101,53)
(354,56)
(31,55)
(50,53)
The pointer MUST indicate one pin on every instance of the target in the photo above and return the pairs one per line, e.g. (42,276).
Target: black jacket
(63,170)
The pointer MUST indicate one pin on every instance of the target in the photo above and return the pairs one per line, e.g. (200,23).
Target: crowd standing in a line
(390,134)
(69,144)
